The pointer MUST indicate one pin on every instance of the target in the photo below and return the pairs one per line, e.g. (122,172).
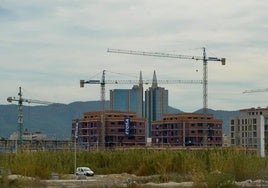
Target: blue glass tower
(156,104)
(128,100)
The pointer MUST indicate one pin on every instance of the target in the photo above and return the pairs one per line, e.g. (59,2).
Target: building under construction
(173,129)
(119,129)
(187,129)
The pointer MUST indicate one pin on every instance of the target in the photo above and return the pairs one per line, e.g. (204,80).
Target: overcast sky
(46,47)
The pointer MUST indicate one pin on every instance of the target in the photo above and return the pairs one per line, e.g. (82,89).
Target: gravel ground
(118,181)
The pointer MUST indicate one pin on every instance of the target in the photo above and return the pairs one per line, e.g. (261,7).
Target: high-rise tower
(128,100)
(156,104)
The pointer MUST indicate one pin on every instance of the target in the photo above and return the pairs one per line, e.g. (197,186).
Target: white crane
(204,58)
(20,100)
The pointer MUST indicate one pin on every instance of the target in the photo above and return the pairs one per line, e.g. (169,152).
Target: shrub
(171,165)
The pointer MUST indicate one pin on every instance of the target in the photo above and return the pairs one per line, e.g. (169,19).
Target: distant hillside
(55,120)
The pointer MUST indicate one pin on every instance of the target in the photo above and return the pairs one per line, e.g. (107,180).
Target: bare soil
(110,180)
(115,181)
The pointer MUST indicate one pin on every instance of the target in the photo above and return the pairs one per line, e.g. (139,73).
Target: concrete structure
(121,129)
(186,129)
(250,129)
(29,136)
(156,103)
(226,140)
(128,100)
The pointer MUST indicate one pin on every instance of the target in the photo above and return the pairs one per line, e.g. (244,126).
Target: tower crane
(20,100)
(102,83)
(256,90)
(203,58)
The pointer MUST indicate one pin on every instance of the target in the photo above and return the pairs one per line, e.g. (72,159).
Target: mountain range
(55,120)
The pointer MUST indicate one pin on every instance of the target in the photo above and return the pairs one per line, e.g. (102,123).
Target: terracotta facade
(89,132)
(187,129)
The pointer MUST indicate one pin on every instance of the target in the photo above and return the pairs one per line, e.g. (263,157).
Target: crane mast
(20,101)
(204,58)
(103,109)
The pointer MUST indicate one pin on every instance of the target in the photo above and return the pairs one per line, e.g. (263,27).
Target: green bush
(217,179)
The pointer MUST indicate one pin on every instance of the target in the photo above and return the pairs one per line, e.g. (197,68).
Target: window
(254,134)
(254,120)
(254,127)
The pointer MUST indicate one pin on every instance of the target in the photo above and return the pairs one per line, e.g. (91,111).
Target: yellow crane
(102,83)
(20,101)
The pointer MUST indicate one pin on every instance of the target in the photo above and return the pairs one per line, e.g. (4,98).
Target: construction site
(135,116)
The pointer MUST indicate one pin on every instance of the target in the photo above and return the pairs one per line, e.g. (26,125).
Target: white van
(84,171)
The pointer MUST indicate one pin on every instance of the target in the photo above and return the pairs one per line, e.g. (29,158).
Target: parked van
(84,171)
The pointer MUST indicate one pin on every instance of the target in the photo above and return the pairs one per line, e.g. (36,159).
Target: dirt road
(111,180)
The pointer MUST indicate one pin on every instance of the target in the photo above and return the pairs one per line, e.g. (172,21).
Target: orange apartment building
(116,131)
(187,129)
